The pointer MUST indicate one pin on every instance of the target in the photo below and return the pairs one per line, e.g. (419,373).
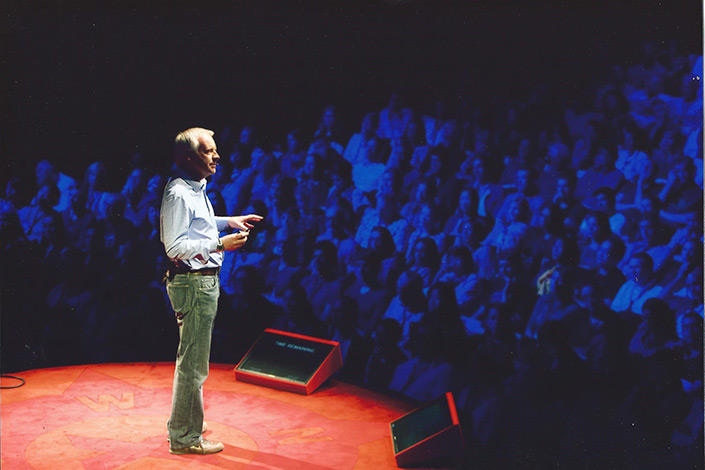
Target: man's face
(206,158)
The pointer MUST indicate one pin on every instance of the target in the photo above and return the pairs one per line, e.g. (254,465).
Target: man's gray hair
(187,141)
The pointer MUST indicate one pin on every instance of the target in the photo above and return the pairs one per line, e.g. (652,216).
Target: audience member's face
(557,251)
(386,184)
(375,240)
(692,332)
(646,206)
(478,169)
(592,226)
(45,173)
(646,230)
(421,193)
(603,159)
(425,220)
(291,142)
(246,136)
(688,251)
(422,255)
(465,202)
(310,165)
(329,118)
(492,321)
(639,271)
(435,164)
(434,300)
(603,203)
(604,254)
(562,188)
(367,126)
(153,216)
(522,180)
(514,211)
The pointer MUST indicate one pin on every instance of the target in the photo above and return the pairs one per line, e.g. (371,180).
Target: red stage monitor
(428,435)
(289,361)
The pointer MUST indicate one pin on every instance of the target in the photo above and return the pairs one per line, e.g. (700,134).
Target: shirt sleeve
(175,217)
(221,223)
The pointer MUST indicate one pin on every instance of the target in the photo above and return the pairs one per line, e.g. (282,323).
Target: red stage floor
(113,416)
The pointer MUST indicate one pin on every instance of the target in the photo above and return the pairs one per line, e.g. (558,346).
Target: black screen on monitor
(421,424)
(285,357)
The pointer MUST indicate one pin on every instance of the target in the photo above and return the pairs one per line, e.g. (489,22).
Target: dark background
(87,81)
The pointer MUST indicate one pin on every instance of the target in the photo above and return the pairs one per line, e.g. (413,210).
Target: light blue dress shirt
(188,227)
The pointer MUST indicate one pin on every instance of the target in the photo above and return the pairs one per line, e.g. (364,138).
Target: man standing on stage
(190,233)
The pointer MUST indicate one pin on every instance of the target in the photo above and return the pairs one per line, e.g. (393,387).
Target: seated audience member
(382,247)
(284,269)
(133,192)
(386,355)
(247,313)
(498,338)
(298,315)
(341,186)
(281,196)
(572,210)
(465,212)
(329,129)
(47,173)
(392,119)
(424,259)
(237,191)
(604,200)
(354,348)
(312,186)
(427,374)
(601,174)
(607,276)
(510,227)
(369,294)
(355,149)
(489,193)
(597,230)
(657,330)
(409,305)
(631,157)
(443,311)
(555,164)
(266,167)
(680,194)
(323,285)
(94,186)
(641,285)
(429,226)
(386,214)
(456,265)
(424,193)
(367,172)
(689,296)
(440,171)
(292,160)
(554,305)
(32,217)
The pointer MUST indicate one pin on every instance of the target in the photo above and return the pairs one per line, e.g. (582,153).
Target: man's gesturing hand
(234,241)
(242,222)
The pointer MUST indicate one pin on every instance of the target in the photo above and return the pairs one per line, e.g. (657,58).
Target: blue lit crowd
(541,258)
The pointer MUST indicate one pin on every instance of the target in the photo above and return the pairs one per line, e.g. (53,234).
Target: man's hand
(235,240)
(242,222)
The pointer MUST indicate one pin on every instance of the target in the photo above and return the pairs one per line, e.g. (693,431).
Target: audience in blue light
(543,263)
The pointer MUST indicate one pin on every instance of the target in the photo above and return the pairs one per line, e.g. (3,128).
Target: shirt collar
(186,176)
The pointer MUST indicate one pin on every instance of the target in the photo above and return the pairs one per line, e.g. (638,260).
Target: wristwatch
(220,246)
